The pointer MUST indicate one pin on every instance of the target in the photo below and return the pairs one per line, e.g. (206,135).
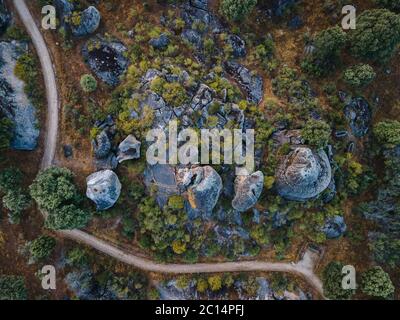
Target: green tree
(386,249)
(12,288)
(377,35)
(316,133)
(55,192)
(68,217)
(41,248)
(202,285)
(77,257)
(237,10)
(388,133)
(328,44)
(10,178)
(393,5)
(332,282)
(215,283)
(376,283)
(16,201)
(54,188)
(88,83)
(360,75)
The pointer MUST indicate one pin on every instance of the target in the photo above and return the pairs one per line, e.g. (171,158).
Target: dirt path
(49,80)
(304,268)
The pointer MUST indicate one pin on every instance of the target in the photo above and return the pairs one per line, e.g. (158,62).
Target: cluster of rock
(105,153)
(252,84)
(103,187)
(106,59)
(14,103)
(170,290)
(358,113)
(80,22)
(201,185)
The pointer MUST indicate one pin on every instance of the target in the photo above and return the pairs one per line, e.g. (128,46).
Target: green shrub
(359,76)
(176,202)
(10,178)
(55,192)
(317,133)
(388,133)
(328,44)
(16,201)
(332,281)
(237,10)
(376,283)
(88,83)
(12,288)
(377,35)
(41,248)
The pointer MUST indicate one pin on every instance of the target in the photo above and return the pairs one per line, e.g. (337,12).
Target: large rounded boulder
(303,174)
(248,190)
(203,186)
(88,23)
(104,189)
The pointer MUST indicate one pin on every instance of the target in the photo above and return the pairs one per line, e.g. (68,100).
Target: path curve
(50,142)
(302,269)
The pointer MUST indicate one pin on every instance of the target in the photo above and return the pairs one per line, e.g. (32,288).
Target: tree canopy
(88,83)
(237,10)
(359,75)
(332,280)
(41,248)
(377,35)
(55,192)
(317,133)
(376,283)
(12,288)
(388,132)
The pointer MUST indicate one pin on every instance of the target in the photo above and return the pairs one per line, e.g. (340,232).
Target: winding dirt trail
(50,142)
(304,268)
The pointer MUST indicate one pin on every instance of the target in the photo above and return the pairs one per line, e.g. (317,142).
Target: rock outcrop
(303,174)
(104,151)
(161,42)
(203,185)
(193,37)
(238,46)
(89,22)
(129,149)
(358,113)
(161,177)
(14,103)
(106,59)
(251,83)
(198,11)
(80,23)
(248,190)
(334,227)
(102,145)
(104,189)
